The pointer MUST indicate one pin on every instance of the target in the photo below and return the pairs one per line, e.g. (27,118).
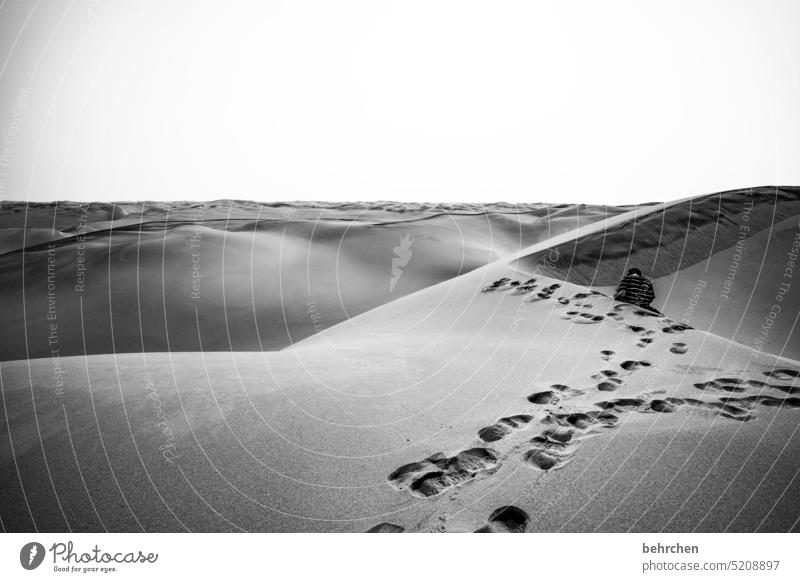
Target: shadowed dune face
(672,239)
(720,263)
(23,225)
(163,280)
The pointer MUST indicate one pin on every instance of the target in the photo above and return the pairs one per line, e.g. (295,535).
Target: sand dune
(204,277)
(598,433)
(25,224)
(500,400)
(723,262)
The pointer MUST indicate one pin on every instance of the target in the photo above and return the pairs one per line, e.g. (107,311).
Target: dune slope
(238,277)
(473,404)
(722,262)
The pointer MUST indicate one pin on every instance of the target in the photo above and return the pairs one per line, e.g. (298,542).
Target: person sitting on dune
(636,288)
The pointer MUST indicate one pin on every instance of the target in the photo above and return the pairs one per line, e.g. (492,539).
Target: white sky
(604,102)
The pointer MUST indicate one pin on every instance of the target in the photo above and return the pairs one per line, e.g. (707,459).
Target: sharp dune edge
(513,396)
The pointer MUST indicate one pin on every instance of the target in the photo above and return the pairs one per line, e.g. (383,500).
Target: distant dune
(234,275)
(511,396)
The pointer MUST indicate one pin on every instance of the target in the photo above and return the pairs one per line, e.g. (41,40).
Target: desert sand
(144,277)
(507,393)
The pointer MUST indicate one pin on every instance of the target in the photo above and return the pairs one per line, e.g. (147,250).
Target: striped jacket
(635,289)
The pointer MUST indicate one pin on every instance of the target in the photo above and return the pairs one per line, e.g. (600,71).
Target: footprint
(493,433)
(791,402)
(496,286)
(561,390)
(547,454)
(787,389)
(545,397)
(402,477)
(784,374)
(559,434)
(502,427)
(584,420)
(545,293)
(586,295)
(607,386)
(718,408)
(667,405)
(679,348)
(727,410)
(589,318)
(622,404)
(759,384)
(386,528)
(603,374)
(543,459)
(525,287)
(741,385)
(607,354)
(605,418)
(579,420)
(456,470)
(563,301)
(508,519)
(583,317)
(645,313)
(676,328)
(724,384)
(644,340)
(631,365)
(438,472)
(662,406)
(557,444)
